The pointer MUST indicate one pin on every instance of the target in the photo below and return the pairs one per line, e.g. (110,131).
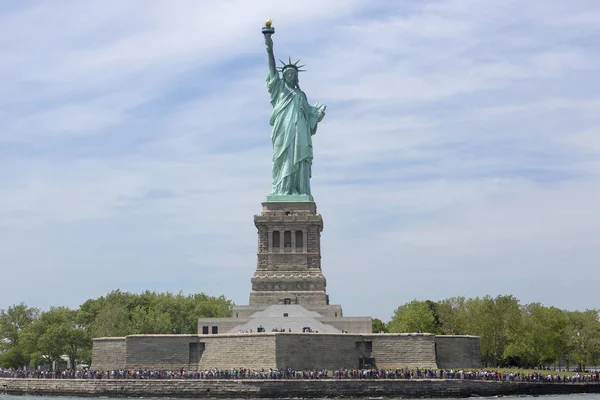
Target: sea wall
(283,388)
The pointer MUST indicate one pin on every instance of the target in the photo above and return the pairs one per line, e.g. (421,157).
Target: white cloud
(587,141)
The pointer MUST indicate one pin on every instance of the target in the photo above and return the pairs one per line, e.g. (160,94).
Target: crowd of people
(261,329)
(292,374)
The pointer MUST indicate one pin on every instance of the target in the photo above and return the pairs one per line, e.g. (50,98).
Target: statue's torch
(268,30)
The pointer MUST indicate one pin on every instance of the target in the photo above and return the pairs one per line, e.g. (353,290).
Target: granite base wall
(108,353)
(288,389)
(403,350)
(160,351)
(281,350)
(254,351)
(318,351)
(458,351)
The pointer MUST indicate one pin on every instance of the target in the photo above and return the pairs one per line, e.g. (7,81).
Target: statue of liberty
(294,122)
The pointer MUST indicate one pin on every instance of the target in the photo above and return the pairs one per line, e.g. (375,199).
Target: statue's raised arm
(268,30)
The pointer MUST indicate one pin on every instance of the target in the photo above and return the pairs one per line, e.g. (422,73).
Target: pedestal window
(299,239)
(287,239)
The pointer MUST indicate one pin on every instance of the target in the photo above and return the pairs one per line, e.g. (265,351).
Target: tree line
(31,337)
(512,334)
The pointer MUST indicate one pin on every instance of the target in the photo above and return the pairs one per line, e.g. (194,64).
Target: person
(294,123)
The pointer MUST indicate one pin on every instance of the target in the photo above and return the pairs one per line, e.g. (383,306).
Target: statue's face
(290,76)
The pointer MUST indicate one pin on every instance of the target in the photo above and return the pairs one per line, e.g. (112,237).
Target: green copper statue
(294,122)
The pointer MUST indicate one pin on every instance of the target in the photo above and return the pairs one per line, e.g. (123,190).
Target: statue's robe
(294,122)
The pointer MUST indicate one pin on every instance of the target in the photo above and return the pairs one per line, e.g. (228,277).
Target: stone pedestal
(289,256)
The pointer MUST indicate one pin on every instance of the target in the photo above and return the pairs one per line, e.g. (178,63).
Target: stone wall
(326,388)
(252,351)
(280,350)
(318,351)
(108,353)
(400,350)
(160,351)
(458,351)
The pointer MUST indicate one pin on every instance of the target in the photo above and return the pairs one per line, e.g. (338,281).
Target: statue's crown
(291,64)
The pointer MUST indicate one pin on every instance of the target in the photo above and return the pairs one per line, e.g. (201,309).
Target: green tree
(379,326)
(211,307)
(122,313)
(452,316)
(532,335)
(539,338)
(495,320)
(107,316)
(416,316)
(113,320)
(150,320)
(152,312)
(583,338)
(12,323)
(54,334)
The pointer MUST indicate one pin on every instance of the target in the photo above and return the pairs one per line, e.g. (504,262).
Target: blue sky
(460,153)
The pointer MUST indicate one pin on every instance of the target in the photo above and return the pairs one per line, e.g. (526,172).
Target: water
(594,396)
